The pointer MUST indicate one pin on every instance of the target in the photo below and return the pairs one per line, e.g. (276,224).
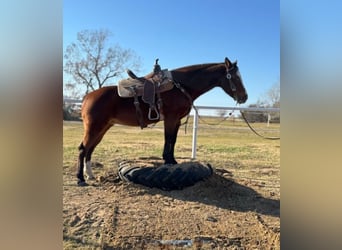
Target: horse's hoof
(171,163)
(82,184)
(168,164)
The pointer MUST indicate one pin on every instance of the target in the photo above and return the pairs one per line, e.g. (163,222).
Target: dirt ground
(221,212)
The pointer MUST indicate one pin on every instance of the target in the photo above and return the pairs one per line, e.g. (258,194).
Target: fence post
(194,135)
(268,119)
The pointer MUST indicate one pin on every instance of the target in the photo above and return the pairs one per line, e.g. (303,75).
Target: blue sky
(182,33)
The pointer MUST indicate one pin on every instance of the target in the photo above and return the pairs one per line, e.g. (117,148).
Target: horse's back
(104,107)
(99,102)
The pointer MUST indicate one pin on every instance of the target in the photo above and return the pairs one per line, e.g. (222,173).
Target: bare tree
(72,90)
(273,95)
(92,62)
(273,100)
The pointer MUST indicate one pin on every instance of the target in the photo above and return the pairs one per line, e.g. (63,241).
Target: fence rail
(70,100)
(196,116)
(240,108)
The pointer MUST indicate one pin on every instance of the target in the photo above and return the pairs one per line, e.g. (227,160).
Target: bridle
(229,77)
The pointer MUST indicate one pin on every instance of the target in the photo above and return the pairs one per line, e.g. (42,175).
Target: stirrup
(154,108)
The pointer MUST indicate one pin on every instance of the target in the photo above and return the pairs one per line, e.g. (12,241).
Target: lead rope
(196,110)
(264,137)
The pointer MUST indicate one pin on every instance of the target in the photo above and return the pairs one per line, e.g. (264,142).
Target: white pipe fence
(70,100)
(195,122)
(196,116)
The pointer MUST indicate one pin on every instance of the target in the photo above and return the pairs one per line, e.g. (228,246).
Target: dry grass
(232,209)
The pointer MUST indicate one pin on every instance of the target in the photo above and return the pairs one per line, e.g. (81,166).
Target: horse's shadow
(222,191)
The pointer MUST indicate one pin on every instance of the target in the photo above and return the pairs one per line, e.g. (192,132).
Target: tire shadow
(225,193)
(220,190)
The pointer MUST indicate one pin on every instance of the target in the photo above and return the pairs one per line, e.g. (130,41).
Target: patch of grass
(230,142)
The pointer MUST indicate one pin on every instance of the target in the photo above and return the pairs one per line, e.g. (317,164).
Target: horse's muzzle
(242,99)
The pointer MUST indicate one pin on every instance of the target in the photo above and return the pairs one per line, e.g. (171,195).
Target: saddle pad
(128,87)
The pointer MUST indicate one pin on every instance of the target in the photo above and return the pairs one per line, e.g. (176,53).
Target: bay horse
(103,108)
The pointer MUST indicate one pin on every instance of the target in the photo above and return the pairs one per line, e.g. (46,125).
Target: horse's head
(232,83)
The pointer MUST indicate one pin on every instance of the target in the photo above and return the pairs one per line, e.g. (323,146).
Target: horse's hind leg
(85,151)
(90,151)
(89,172)
(80,176)
(86,148)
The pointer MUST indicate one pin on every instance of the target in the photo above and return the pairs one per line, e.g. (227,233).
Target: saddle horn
(156,68)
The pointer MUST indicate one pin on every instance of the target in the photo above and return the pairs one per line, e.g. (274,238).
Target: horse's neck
(201,81)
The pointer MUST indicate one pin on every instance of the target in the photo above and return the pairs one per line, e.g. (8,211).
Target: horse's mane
(191,68)
(196,67)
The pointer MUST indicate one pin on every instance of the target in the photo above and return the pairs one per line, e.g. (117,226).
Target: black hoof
(172,162)
(82,184)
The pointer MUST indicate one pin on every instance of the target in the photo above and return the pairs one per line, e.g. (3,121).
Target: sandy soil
(218,213)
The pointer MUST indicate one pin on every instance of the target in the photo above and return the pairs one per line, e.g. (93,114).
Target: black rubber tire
(167,177)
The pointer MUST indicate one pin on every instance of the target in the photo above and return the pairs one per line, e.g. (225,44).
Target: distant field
(247,212)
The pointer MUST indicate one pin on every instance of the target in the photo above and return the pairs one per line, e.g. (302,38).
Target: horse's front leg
(170,136)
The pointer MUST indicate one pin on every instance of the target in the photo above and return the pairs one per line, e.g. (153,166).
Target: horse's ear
(227,62)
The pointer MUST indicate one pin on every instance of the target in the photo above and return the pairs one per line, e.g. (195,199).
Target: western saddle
(148,87)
